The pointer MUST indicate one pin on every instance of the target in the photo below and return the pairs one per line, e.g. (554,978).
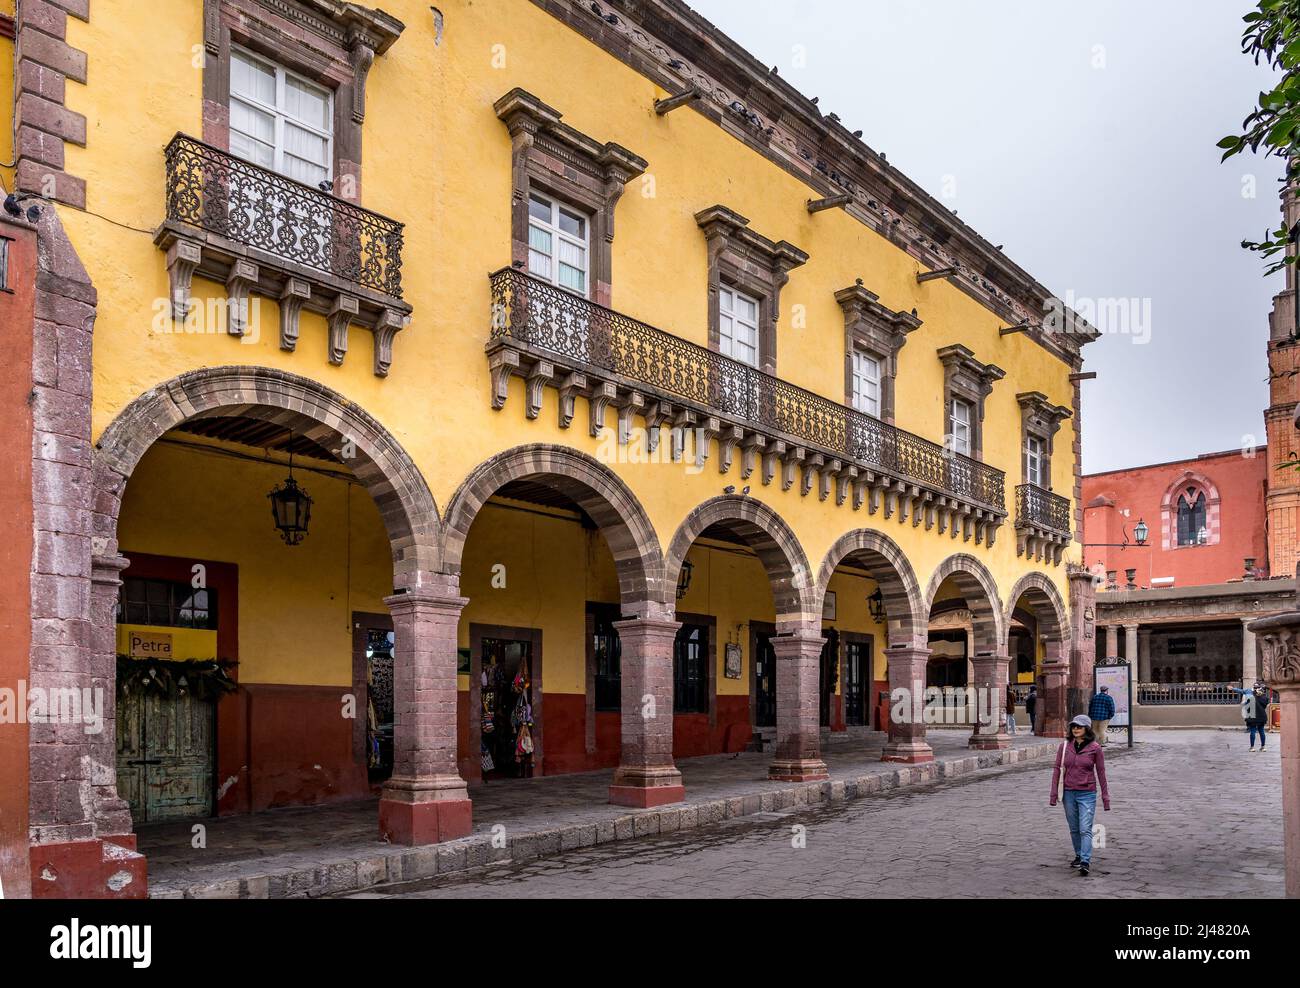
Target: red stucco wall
(15,550)
(1115,501)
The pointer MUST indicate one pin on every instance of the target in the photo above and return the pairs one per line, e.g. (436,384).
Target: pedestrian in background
(1011,709)
(1101,710)
(1080,766)
(1031,702)
(1254,711)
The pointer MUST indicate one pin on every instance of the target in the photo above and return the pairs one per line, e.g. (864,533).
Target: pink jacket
(1083,770)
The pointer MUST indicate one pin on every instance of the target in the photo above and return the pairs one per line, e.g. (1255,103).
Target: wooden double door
(166,756)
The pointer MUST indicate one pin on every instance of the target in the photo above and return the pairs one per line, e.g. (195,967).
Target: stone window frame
(329,42)
(748,262)
(1169,511)
(877,331)
(1039,419)
(561,162)
(967,378)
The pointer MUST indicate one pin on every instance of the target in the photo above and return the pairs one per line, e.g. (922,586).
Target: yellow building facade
(645,412)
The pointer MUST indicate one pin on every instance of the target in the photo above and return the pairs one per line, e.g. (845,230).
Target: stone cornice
(720,221)
(348,24)
(522,112)
(863,312)
(677,48)
(960,363)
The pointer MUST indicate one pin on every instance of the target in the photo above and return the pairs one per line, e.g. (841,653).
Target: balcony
(259,232)
(550,337)
(1042,523)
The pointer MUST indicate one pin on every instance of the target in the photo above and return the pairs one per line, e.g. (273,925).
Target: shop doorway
(372,679)
(828,675)
(763,684)
(857,680)
(506,700)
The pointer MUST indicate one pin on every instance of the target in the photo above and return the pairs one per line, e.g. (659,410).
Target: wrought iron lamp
(684,578)
(291,508)
(876,604)
(1140,533)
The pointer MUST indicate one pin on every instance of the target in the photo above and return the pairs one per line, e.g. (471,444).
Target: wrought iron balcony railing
(536,314)
(215,191)
(1039,508)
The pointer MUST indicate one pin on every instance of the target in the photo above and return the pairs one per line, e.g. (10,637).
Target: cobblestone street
(1194,814)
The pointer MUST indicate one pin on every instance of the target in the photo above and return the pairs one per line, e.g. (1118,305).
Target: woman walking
(1079,767)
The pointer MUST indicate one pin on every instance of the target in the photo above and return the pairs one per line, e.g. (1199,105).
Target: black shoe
(1076,862)
(1083,871)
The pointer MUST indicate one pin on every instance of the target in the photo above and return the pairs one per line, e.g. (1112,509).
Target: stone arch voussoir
(894,574)
(1045,601)
(980,590)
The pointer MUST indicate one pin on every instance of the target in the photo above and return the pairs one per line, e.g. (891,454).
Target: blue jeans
(1253,728)
(1080,808)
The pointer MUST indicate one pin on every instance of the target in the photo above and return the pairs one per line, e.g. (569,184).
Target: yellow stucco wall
(7,70)
(437,158)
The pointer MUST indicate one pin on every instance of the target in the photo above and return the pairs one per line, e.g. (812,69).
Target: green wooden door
(165,756)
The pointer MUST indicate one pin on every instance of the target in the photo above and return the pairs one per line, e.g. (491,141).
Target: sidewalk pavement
(322,850)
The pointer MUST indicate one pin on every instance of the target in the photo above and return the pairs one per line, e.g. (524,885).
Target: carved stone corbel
(183,258)
(388,324)
(296,292)
(341,313)
(572,385)
(731,435)
(502,363)
(601,395)
(241,280)
(541,374)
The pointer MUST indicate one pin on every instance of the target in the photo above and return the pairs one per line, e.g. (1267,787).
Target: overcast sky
(1081,137)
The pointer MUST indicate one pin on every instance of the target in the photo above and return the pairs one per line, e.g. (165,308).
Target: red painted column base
(989,742)
(802,770)
(100,868)
(433,822)
(644,797)
(911,752)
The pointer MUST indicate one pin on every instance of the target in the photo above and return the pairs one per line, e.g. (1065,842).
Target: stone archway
(1043,600)
(646,775)
(906,652)
(798,642)
(991,663)
(424,770)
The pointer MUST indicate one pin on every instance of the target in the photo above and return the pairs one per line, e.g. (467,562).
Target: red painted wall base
(644,797)
(412,824)
(89,869)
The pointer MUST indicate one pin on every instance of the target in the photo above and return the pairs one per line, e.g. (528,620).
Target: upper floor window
(279,120)
(1034,461)
(1191,517)
(959,426)
(866,383)
(558,244)
(167,604)
(738,331)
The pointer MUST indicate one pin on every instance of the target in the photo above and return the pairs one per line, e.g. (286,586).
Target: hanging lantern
(291,508)
(876,603)
(684,579)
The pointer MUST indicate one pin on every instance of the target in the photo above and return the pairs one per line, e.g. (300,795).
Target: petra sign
(150,645)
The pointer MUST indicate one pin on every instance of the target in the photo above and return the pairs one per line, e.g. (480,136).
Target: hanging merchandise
(485,757)
(524,743)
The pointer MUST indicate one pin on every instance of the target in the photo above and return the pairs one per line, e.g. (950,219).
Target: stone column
(1131,645)
(970,656)
(991,678)
(426,800)
(1054,700)
(1112,641)
(1249,654)
(798,732)
(906,668)
(646,775)
(1144,655)
(1279,640)
(112,813)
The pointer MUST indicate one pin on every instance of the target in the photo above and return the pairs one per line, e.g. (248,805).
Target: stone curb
(405,864)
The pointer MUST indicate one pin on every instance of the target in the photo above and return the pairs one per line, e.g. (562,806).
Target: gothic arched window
(1191,517)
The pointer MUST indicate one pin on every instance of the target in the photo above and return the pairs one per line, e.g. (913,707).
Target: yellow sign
(150,645)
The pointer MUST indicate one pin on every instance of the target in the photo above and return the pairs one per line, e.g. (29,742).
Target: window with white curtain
(279,120)
(866,383)
(559,247)
(738,326)
(959,423)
